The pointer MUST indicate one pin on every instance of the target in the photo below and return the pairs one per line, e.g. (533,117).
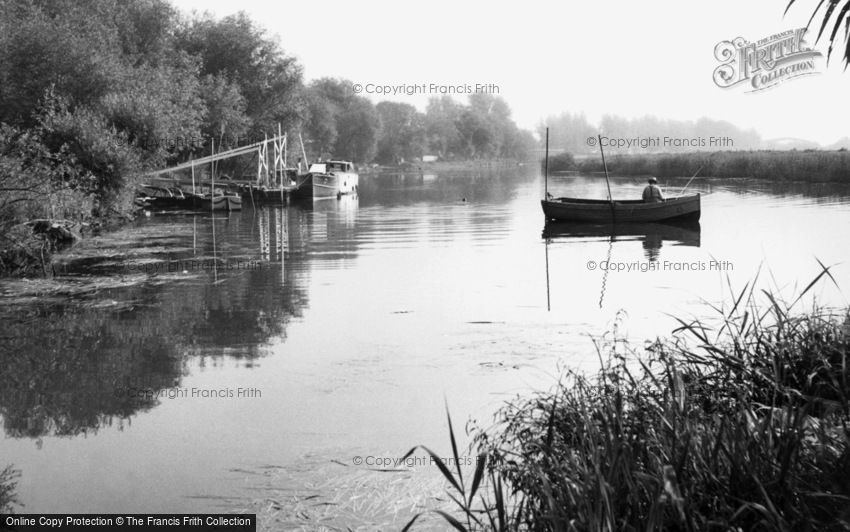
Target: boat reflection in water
(651,235)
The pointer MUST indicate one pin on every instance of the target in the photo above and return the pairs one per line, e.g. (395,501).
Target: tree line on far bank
(349,126)
(568,132)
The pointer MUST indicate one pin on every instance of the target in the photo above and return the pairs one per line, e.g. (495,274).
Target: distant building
(429,158)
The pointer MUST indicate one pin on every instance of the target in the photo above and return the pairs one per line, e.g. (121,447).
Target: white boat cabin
(331,167)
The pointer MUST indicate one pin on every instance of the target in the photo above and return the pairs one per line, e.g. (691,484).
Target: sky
(615,57)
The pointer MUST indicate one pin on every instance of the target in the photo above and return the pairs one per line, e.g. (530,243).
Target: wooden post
(303,152)
(546,169)
(259,165)
(283,163)
(212,183)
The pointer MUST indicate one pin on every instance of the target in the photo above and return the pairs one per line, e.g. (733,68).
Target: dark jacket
(652,194)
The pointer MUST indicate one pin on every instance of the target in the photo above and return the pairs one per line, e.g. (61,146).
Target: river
(195,362)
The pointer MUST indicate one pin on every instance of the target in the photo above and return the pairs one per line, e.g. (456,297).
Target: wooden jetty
(275,182)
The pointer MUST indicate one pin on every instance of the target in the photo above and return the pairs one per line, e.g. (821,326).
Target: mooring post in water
(212,177)
(546,169)
(283,170)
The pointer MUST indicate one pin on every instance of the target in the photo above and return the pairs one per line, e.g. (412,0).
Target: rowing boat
(683,208)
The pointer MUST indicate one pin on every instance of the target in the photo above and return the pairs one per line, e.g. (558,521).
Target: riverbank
(808,165)
(734,423)
(447,166)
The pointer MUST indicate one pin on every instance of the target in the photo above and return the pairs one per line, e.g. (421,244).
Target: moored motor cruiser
(333,179)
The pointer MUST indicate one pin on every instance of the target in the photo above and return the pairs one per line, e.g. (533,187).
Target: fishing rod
(695,174)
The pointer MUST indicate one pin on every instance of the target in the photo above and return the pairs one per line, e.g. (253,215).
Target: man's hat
(653,180)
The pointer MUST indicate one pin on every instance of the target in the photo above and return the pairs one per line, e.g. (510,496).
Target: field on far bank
(792,165)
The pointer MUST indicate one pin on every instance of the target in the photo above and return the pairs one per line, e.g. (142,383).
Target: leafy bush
(34,185)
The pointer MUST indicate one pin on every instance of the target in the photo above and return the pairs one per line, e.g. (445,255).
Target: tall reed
(790,165)
(738,422)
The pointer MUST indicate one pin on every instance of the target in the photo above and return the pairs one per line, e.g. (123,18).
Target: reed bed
(786,165)
(736,422)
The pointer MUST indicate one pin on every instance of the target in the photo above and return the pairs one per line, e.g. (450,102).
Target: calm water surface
(347,323)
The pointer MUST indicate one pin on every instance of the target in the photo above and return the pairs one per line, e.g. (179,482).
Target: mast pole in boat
(607,181)
(546,169)
(605,166)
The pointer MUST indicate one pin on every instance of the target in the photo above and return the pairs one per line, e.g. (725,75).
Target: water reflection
(212,287)
(98,360)
(651,235)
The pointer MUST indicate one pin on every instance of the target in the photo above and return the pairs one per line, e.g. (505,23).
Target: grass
(8,484)
(738,422)
(790,165)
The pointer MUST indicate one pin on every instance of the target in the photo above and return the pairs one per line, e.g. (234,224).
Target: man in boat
(652,193)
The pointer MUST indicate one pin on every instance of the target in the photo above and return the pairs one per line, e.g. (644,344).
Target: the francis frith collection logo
(764,63)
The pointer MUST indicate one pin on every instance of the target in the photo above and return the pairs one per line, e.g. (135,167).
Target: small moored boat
(161,197)
(219,201)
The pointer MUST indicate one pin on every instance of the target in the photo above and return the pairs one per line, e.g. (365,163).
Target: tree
(441,132)
(402,132)
(39,52)
(358,126)
(519,144)
(568,132)
(477,137)
(341,124)
(495,112)
(226,119)
(320,122)
(236,49)
(160,108)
